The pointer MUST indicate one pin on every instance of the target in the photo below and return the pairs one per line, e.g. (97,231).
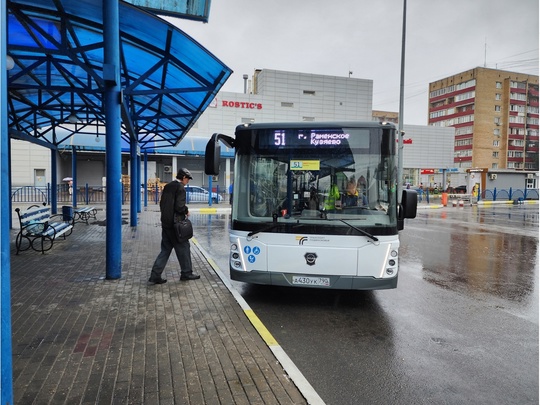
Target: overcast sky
(365,37)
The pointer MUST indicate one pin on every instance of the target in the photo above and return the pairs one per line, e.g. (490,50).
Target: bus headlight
(234,247)
(237,264)
(389,271)
(391,262)
(393,253)
(235,255)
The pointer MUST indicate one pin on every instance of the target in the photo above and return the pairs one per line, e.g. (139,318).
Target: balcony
(513,147)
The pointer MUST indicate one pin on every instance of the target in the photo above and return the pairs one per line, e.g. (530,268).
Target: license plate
(303,280)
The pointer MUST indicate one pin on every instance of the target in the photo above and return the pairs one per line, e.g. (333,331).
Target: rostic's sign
(427,171)
(241,104)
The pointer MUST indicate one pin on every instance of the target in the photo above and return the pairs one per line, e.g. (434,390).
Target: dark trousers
(182,250)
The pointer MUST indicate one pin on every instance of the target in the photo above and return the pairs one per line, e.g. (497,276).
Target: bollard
(444,199)
(461,203)
(454,203)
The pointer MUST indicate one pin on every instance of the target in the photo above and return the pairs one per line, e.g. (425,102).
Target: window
(309,92)
(465,96)
(464,130)
(517,131)
(518,85)
(308,118)
(463,142)
(497,132)
(516,119)
(464,85)
(287,104)
(518,96)
(496,144)
(494,165)
(248,120)
(498,85)
(497,108)
(495,155)
(497,96)
(436,114)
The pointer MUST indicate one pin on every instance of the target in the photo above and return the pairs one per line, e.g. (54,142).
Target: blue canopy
(55,88)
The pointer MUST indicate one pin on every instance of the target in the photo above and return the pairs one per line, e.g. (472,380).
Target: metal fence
(97,194)
(509,194)
(487,195)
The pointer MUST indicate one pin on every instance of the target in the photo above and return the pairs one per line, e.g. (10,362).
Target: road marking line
(265,333)
(289,367)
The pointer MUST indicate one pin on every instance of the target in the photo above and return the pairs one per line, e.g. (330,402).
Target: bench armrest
(60,218)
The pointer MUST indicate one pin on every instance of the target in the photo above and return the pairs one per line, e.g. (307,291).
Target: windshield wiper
(273,225)
(266,228)
(370,236)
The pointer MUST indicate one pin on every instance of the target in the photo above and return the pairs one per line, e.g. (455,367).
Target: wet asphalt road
(461,328)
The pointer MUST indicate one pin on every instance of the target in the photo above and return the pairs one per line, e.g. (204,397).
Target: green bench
(39,229)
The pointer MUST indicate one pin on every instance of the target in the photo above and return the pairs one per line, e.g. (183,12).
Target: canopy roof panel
(168,79)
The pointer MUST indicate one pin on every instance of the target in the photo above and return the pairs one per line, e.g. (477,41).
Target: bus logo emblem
(310,258)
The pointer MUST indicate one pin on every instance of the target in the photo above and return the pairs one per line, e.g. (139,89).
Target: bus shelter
(87,67)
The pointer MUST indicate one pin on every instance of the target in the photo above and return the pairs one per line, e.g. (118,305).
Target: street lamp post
(401,97)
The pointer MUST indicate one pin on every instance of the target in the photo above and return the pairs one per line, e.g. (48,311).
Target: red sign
(407,141)
(241,104)
(427,171)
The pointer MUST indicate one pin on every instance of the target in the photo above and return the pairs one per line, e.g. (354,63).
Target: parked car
(460,190)
(199,194)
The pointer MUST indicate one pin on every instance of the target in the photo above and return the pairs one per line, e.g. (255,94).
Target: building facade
(495,116)
(270,96)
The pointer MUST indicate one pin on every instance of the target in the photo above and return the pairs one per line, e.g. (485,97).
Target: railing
(509,195)
(97,194)
(488,195)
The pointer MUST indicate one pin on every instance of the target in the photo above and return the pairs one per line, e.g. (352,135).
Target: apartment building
(495,116)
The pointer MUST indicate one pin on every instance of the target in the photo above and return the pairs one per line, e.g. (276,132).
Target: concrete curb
(290,368)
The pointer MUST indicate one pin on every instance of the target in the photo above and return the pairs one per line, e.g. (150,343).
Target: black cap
(183,172)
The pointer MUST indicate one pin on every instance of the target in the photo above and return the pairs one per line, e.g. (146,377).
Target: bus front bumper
(309,281)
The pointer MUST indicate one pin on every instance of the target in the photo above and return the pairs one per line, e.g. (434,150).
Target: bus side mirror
(212,155)
(409,200)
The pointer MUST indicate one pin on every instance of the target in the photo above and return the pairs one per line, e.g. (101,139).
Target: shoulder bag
(183,229)
(182,226)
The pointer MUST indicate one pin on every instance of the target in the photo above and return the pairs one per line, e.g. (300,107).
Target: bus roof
(313,124)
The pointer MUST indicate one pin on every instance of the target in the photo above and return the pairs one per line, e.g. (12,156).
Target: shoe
(157,281)
(190,277)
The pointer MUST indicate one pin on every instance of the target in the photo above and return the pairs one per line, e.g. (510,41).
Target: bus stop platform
(79,338)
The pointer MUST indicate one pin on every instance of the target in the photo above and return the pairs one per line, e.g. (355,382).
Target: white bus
(315,204)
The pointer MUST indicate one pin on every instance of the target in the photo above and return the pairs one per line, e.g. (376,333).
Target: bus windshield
(322,180)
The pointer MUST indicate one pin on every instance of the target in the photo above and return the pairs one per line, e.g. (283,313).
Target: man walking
(173,204)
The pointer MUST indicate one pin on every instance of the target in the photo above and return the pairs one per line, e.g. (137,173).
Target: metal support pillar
(139,189)
(54,183)
(145,179)
(6,379)
(111,73)
(134,189)
(74,188)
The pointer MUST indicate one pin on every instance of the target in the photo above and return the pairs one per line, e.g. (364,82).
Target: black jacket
(173,201)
